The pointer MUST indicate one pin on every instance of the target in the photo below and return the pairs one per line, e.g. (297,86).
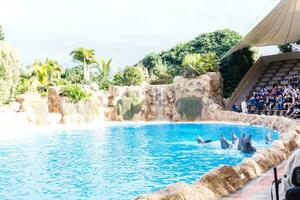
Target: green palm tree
(54,70)
(45,71)
(86,57)
(104,69)
(40,72)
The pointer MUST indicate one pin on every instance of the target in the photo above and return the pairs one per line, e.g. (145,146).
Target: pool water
(114,162)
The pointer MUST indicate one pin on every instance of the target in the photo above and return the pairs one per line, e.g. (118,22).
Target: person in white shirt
(244,106)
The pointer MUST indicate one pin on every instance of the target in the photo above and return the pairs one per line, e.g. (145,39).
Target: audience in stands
(282,98)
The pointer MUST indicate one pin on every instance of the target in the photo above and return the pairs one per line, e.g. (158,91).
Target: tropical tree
(151,60)
(74,75)
(9,71)
(86,57)
(290,47)
(104,68)
(46,71)
(197,64)
(1,34)
(131,76)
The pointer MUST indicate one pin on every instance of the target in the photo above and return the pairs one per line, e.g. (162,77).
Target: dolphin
(269,138)
(234,138)
(241,141)
(201,141)
(247,145)
(224,143)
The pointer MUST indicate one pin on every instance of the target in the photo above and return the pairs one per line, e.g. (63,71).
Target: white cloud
(125,30)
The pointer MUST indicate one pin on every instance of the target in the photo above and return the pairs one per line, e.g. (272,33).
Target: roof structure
(280,26)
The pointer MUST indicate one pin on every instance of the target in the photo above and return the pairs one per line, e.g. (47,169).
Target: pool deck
(258,189)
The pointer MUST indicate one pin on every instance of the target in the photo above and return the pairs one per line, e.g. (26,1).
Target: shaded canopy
(280,26)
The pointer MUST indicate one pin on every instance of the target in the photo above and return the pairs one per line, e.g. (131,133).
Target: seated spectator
(234,108)
(286,97)
(272,102)
(261,103)
(295,81)
(279,102)
(274,89)
(253,101)
(287,101)
(296,110)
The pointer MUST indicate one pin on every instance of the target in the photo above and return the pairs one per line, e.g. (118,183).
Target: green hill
(233,68)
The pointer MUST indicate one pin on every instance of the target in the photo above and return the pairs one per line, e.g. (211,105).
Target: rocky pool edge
(226,180)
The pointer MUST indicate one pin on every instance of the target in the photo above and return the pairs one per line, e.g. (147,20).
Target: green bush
(42,90)
(129,105)
(23,86)
(59,82)
(118,79)
(133,76)
(75,93)
(198,64)
(160,75)
(130,76)
(9,71)
(189,108)
(74,75)
(1,33)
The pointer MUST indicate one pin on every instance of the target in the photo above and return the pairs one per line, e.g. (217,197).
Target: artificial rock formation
(82,112)
(54,99)
(183,100)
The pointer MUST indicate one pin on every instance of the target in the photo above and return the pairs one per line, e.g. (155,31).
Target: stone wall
(85,111)
(184,100)
(225,180)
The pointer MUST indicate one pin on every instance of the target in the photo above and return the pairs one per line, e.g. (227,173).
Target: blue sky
(125,30)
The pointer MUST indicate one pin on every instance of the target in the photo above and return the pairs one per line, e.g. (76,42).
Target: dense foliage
(198,64)
(233,68)
(75,93)
(9,71)
(1,33)
(74,75)
(287,48)
(160,74)
(131,76)
(24,85)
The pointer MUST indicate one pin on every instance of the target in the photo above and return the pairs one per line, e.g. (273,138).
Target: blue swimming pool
(114,162)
